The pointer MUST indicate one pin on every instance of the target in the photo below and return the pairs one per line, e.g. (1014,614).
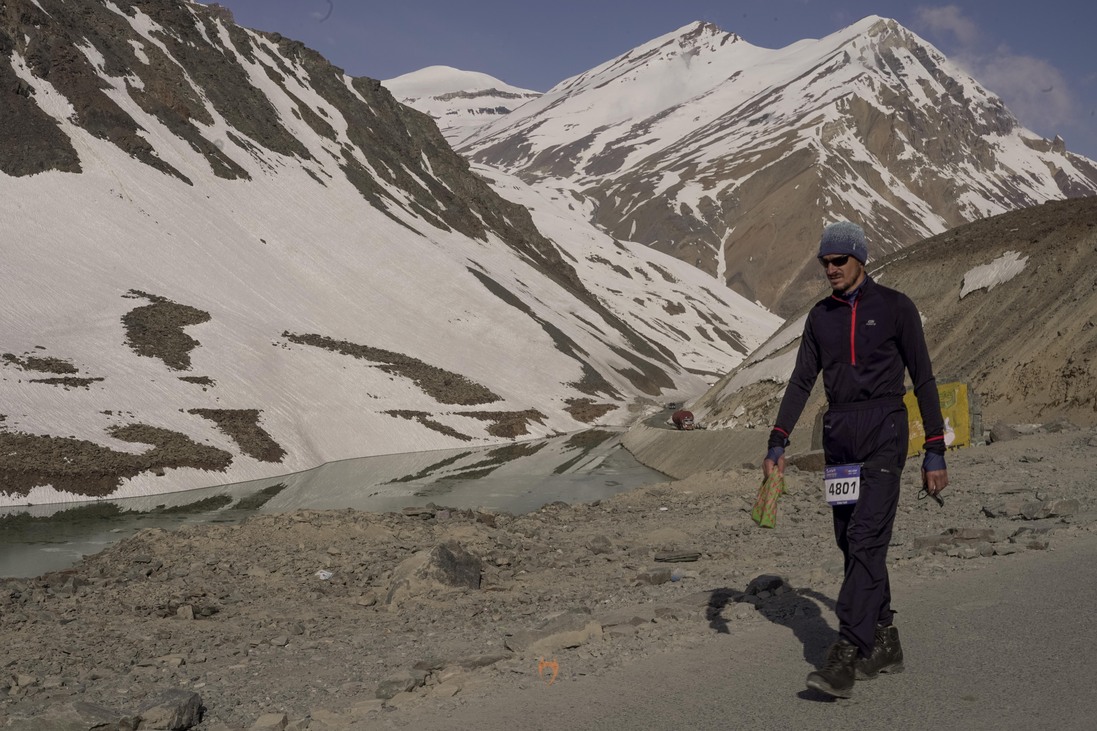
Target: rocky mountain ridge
(733,157)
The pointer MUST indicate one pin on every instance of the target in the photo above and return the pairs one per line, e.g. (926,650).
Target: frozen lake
(513,478)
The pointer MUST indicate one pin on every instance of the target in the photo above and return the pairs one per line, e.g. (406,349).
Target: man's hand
(933,482)
(769,465)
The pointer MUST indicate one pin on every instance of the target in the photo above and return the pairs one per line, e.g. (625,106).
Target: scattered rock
(401,682)
(78,716)
(1001,432)
(600,545)
(745,611)
(654,576)
(813,461)
(765,583)
(568,629)
(172,710)
(558,584)
(1039,509)
(1011,507)
(677,556)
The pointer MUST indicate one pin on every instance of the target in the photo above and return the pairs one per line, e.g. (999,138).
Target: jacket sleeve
(799,387)
(915,354)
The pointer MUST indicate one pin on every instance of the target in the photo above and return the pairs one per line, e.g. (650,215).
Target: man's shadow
(781,604)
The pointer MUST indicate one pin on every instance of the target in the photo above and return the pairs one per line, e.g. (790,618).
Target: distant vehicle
(683,420)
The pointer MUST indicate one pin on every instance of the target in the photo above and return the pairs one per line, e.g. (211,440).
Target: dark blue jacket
(863,348)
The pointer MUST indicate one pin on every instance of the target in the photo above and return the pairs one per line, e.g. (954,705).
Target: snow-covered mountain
(226,259)
(733,157)
(459,101)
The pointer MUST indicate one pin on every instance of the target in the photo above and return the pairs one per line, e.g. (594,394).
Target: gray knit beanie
(844,237)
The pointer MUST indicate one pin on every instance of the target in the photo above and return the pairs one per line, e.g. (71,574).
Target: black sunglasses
(838,261)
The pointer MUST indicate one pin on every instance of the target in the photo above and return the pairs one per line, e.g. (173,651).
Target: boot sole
(898,668)
(824,687)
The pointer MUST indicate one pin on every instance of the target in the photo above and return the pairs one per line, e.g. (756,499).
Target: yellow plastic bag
(765,506)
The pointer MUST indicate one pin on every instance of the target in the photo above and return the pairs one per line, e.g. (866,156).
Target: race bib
(842,483)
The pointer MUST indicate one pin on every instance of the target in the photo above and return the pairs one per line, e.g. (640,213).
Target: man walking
(862,338)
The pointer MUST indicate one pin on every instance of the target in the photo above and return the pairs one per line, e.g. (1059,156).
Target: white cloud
(948,19)
(1032,88)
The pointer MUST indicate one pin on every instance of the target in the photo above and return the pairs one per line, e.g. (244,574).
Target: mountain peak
(705,29)
(437,80)
(460,102)
(713,150)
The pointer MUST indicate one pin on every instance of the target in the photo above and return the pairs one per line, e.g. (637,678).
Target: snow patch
(999,271)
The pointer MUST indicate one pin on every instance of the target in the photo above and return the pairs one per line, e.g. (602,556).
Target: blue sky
(1040,57)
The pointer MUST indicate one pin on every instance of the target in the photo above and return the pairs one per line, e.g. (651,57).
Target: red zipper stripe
(853,331)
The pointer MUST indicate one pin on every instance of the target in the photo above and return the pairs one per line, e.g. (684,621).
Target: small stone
(677,556)
(764,583)
(654,576)
(370,705)
(401,682)
(270,722)
(1062,507)
(568,629)
(666,613)
(481,661)
(972,534)
(172,710)
(402,700)
(1010,508)
(1001,432)
(446,690)
(599,545)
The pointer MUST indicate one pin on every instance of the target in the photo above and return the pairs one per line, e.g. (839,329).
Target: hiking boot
(836,676)
(886,657)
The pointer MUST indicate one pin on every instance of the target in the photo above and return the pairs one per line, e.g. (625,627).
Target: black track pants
(875,435)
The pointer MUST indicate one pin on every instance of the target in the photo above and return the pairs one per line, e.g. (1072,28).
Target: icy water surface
(513,478)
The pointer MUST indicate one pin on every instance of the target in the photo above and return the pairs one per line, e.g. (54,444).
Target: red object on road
(683,420)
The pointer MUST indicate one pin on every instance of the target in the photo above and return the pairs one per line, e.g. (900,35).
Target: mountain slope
(226,259)
(1009,305)
(733,157)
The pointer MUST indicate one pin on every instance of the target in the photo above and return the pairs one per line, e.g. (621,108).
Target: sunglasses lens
(838,261)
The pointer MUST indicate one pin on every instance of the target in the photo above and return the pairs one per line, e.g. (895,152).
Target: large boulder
(443,568)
